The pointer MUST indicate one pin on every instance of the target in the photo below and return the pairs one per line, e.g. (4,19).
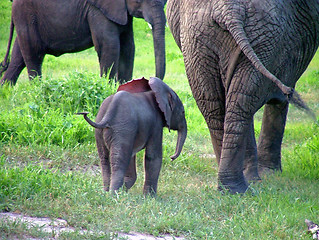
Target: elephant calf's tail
(101,125)
(5,63)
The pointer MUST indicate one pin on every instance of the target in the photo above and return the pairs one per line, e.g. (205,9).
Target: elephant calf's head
(169,103)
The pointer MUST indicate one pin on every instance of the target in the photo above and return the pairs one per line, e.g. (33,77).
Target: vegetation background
(49,165)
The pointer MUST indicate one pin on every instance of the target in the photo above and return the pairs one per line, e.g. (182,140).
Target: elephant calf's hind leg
(130,175)
(104,159)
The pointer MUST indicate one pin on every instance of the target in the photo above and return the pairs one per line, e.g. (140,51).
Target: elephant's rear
(173,19)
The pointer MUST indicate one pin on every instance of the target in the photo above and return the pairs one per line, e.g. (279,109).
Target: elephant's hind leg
(130,175)
(32,51)
(271,135)
(239,146)
(230,172)
(31,45)
(251,162)
(15,66)
(104,159)
(206,85)
(120,157)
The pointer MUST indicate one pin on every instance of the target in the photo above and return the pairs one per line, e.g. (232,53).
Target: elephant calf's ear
(115,10)
(163,97)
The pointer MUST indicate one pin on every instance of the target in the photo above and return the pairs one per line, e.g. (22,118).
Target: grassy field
(49,165)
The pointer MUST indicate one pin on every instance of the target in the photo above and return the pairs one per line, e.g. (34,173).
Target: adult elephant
(59,26)
(235,52)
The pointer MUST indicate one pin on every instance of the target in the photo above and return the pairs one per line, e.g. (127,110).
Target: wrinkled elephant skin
(240,55)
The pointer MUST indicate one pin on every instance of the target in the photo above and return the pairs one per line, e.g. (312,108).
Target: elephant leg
(230,172)
(271,135)
(109,58)
(34,66)
(153,164)
(120,158)
(104,158)
(33,60)
(243,100)
(126,59)
(130,175)
(251,162)
(15,67)
(105,36)
(32,50)
(31,45)
(208,91)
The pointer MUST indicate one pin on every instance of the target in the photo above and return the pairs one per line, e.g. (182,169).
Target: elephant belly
(70,45)
(140,142)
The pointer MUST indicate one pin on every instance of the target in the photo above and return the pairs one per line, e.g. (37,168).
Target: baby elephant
(133,119)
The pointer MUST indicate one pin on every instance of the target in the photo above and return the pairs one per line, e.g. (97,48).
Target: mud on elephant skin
(58,27)
(133,119)
(240,55)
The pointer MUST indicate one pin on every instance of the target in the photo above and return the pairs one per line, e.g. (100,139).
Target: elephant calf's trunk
(182,133)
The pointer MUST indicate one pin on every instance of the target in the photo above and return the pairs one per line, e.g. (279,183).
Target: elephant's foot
(129,182)
(106,184)
(232,183)
(149,191)
(4,82)
(266,170)
(268,162)
(106,187)
(251,174)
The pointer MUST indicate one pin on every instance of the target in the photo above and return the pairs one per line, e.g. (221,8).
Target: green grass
(49,165)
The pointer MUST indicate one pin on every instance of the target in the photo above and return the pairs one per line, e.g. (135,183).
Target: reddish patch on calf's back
(135,86)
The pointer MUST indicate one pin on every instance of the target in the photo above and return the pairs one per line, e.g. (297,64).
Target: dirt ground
(60,225)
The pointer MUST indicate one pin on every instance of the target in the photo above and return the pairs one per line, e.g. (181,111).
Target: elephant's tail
(5,63)
(101,125)
(237,31)
(299,103)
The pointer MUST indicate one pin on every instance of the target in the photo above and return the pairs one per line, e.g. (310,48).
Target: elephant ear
(115,10)
(135,86)
(164,97)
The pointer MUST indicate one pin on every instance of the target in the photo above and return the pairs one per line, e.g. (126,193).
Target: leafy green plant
(44,111)
(304,159)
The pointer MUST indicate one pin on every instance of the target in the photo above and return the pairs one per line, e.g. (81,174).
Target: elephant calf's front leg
(153,164)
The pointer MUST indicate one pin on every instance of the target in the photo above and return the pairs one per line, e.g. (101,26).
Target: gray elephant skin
(133,119)
(58,27)
(239,56)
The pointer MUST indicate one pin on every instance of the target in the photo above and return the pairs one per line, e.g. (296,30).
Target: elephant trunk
(156,17)
(182,133)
